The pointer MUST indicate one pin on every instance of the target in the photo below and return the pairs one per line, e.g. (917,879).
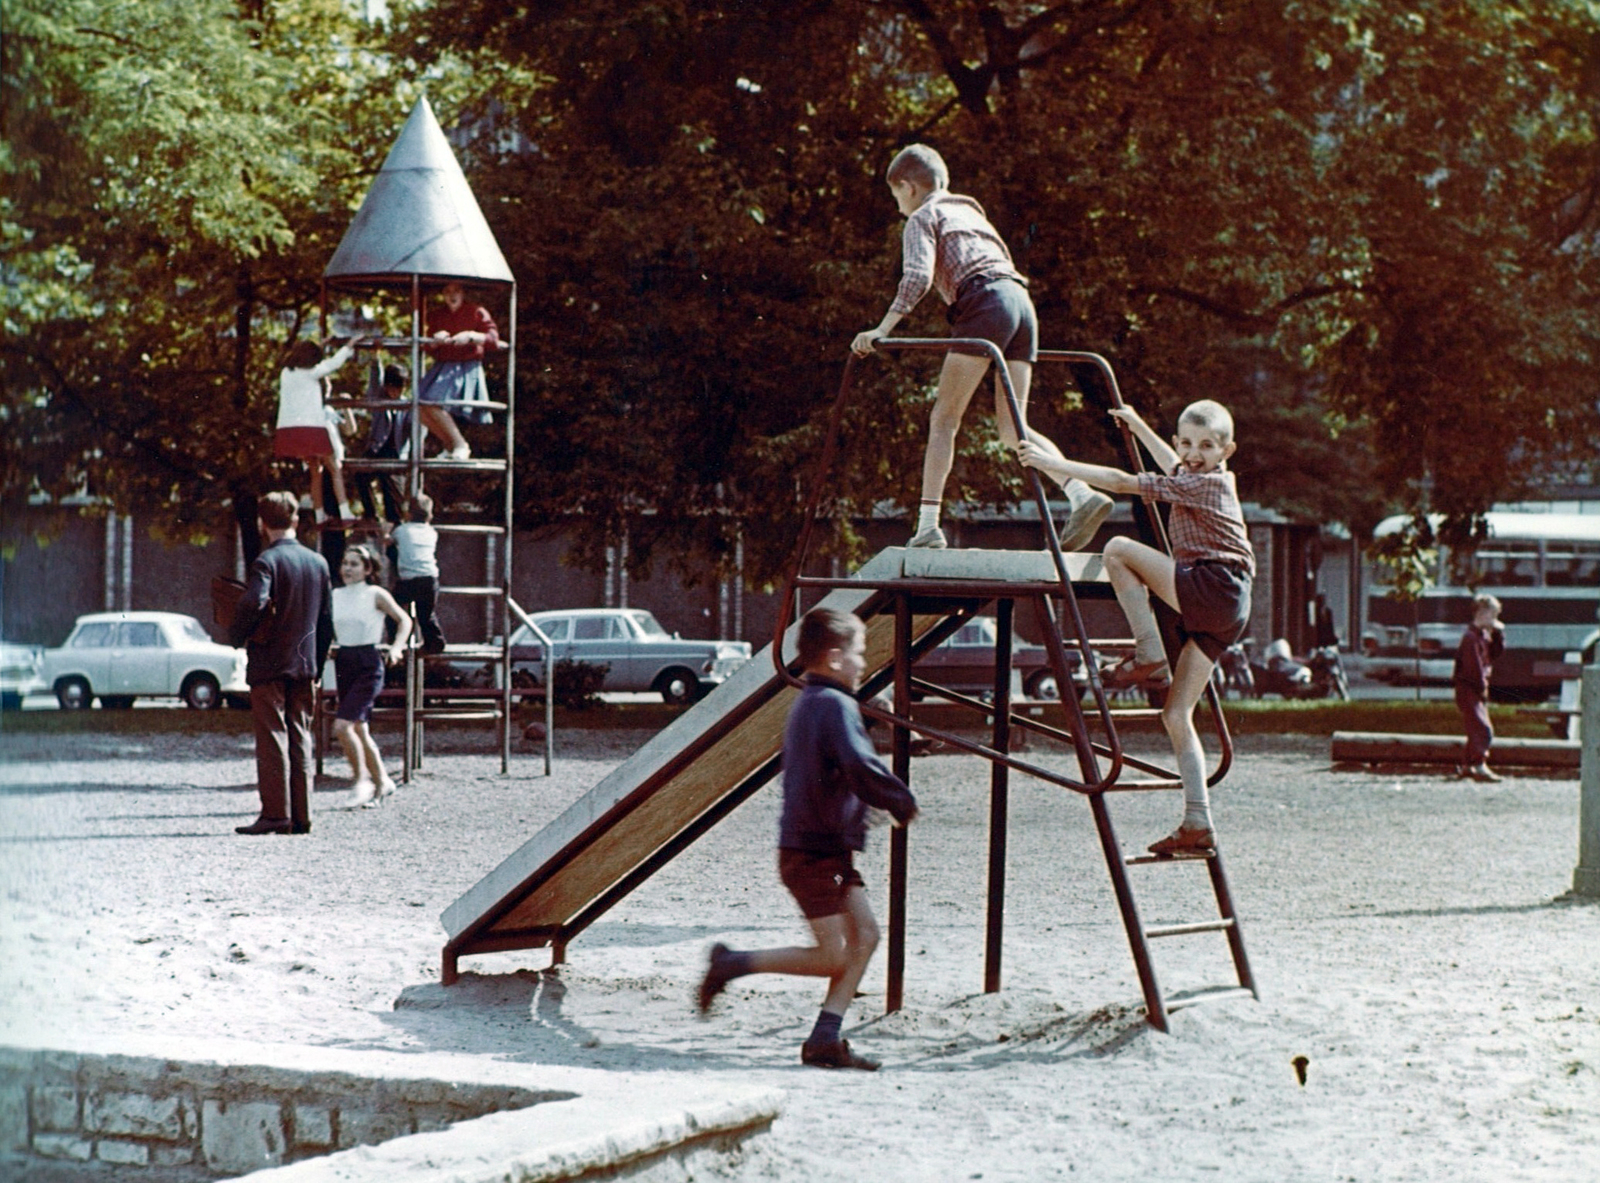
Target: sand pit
(1407,932)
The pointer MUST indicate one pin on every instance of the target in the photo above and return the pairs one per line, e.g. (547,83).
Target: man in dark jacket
(288,585)
(831,776)
(1484,640)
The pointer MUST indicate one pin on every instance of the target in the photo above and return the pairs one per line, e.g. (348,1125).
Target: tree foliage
(1373,231)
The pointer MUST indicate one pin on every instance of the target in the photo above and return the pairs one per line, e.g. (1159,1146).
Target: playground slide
(690,775)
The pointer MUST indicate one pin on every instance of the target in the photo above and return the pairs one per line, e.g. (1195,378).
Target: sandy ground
(1408,934)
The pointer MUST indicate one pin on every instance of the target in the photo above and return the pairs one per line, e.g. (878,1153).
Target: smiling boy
(1207,579)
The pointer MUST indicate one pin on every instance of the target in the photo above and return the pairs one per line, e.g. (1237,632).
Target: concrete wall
(226,1118)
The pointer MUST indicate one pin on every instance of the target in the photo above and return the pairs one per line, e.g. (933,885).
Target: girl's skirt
(359,670)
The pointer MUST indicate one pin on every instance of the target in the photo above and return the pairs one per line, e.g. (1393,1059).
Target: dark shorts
(1214,603)
(818,882)
(359,670)
(998,310)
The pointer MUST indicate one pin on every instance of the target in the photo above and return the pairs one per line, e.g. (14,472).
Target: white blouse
(357,619)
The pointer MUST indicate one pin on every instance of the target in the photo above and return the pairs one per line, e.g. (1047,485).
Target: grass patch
(1325,716)
(154,721)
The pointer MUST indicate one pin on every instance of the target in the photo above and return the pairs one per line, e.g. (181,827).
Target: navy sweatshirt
(831,774)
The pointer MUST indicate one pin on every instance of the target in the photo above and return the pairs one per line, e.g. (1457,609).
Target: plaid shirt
(948,240)
(1206,521)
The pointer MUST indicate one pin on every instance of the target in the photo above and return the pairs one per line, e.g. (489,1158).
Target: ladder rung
(1179,930)
(464,651)
(464,714)
(1139,860)
(471,591)
(405,404)
(1131,713)
(465,528)
(433,463)
(1142,786)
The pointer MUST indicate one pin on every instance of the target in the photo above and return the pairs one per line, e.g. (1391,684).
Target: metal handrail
(1113,750)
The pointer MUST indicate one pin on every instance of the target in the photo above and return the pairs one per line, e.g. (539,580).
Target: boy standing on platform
(831,775)
(416,569)
(1206,579)
(948,244)
(1484,640)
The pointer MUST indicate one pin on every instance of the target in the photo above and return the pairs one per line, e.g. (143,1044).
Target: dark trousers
(1475,719)
(282,713)
(422,591)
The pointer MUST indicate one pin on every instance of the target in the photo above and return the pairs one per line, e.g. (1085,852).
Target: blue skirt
(451,380)
(359,670)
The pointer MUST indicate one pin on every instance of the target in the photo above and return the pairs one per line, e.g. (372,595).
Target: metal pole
(895,991)
(999,790)
(1586,876)
(505,586)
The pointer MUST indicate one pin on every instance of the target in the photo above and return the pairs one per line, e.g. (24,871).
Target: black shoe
(431,647)
(717,977)
(299,827)
(834,1055)
(263,825)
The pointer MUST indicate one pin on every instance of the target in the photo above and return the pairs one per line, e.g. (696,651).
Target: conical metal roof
(419,217)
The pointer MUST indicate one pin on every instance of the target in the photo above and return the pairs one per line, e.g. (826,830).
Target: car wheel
(74,694)
(201,692)
(1044,685)
(116,702)
(677,686)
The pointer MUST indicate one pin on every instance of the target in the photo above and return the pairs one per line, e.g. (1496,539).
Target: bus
(1543,567)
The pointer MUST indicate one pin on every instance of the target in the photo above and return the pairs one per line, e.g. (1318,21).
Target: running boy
(1484,640)
(1207,579)
(831,774)
(949,245)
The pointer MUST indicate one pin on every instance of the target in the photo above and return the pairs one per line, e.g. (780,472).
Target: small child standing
(1484,640)
(416,569)
(1206,579)
(831,775)
(948,244)
(304,431)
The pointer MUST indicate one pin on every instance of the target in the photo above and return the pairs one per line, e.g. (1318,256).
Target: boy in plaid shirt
(949,245)
(1207,579)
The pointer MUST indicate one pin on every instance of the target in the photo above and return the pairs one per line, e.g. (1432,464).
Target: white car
(19,673)
(120,656)
(637,652)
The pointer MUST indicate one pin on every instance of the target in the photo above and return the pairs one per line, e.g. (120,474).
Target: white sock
(1135,601)
(1196,801)
(1075,491)
(927,516)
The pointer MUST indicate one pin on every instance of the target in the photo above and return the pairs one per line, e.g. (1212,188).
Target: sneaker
(1088,515)
(461,452)
(716,979)
(1483,773)
(385,787)
(835,1055)
(362,793)
(1185,841)
(930,539)
(1130,672)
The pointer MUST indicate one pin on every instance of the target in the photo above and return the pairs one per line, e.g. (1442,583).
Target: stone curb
(558,1140)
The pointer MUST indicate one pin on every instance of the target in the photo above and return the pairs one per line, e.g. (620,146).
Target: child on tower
(1207,579)
(304,428)
(831,775)
(949,245)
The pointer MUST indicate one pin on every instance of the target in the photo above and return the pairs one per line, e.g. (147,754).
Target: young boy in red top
(831,775)
(948,244)
(1207,579)
(1484,640)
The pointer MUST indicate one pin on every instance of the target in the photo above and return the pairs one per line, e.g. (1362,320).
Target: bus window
(1575,564)
(1508,564)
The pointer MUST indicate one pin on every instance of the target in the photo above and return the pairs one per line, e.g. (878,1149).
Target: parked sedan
(639,653)
(120,656)
(19,673)
(964,662)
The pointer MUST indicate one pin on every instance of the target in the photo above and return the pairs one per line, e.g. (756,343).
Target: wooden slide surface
(726,743)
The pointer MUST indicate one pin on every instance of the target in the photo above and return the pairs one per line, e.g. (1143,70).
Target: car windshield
(191,629)
(649,625)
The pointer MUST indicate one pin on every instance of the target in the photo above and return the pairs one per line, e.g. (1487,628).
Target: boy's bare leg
(1134,569)
(1089,507)
(1189,682)
(958,379)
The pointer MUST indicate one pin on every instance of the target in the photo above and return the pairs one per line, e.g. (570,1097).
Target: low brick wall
(222,1118)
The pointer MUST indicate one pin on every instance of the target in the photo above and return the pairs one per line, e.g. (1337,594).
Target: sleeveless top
(357,619)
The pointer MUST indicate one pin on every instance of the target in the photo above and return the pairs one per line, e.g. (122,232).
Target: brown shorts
(818,882)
